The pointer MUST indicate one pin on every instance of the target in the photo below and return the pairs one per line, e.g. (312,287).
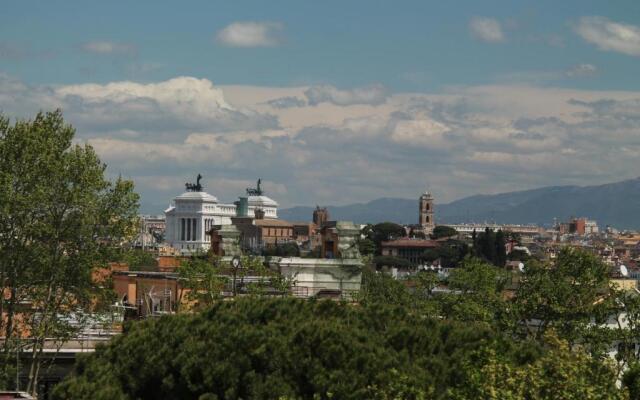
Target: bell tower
(426,220)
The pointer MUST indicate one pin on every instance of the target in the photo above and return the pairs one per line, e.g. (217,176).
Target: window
(195,229)
(183,229)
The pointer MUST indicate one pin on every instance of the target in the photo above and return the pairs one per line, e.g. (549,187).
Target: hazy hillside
(616,204)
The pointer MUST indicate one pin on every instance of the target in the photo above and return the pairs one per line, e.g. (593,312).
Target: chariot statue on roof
(257,191)
(194,187)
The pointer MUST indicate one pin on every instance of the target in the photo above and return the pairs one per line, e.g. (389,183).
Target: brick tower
(426,221)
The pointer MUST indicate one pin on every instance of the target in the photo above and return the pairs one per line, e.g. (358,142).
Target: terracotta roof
(420,243)
(273,222)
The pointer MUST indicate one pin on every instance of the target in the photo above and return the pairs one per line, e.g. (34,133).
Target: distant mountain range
(615,204)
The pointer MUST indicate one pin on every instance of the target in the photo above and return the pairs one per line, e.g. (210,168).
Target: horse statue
(194,187)
(255,191)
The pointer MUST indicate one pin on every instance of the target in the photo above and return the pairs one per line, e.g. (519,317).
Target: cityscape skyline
(336,103)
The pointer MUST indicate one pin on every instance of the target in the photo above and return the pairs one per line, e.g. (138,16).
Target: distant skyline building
(195,212)
(320,216)
(426,213)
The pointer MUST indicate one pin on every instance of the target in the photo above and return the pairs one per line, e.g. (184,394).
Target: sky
(335,102)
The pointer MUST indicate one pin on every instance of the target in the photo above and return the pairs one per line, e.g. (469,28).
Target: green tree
(561,373)
(443,231)
(380,288)
(385,231)
(631,381)
(569,296)
(366,246)
(477,294)
(202,281)
(289,249)
(60,218)
(518,255)
(139,260)
(501,252)
(290,348)
(450,253)
(490,246)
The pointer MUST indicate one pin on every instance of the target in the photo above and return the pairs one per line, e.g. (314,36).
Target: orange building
(148,293)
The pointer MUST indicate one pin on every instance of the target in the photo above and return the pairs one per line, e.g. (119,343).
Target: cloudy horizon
(496,100)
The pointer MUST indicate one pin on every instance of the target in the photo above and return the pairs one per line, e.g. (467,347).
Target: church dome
(198,196)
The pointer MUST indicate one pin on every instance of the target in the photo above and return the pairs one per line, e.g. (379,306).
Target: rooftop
(272,222)
(200,196)
(261,201)
(415,243)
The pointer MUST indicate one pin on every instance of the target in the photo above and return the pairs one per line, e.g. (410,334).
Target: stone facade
(225,241)
(426,213)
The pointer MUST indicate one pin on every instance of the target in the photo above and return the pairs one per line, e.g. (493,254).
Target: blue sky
(467,96)
(405,45)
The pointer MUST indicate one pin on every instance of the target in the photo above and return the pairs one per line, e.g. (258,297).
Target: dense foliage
(402,340)
(451,253)
(490,246)
(383,232)
(443,231)
(268,349)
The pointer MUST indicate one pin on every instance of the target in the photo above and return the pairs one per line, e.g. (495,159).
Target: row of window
(277,232)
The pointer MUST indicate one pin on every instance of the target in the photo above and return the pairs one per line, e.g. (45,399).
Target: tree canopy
(293,348)
(443,231)
(400,341)
(60,218)
(384,231)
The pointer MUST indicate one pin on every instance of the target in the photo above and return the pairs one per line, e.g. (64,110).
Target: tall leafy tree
(442,231)
(501,251)
(385,231)
(60,218)
(570,296)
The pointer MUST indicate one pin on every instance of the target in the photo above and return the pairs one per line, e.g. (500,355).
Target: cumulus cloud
(462,140)
(486,29)
(582,70)
(609,35)
(166,110)
(372,95)
(287,102)
(251,34)
(108,47)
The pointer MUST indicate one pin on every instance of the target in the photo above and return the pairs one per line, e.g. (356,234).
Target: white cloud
(341,151)
(287,102)
(251,34)
(373,95)
(582,70)
(609,35)
(486,29)
(178,104)
(107,47)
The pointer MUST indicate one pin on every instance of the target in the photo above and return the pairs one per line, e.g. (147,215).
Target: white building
(590,227)
(195,212)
